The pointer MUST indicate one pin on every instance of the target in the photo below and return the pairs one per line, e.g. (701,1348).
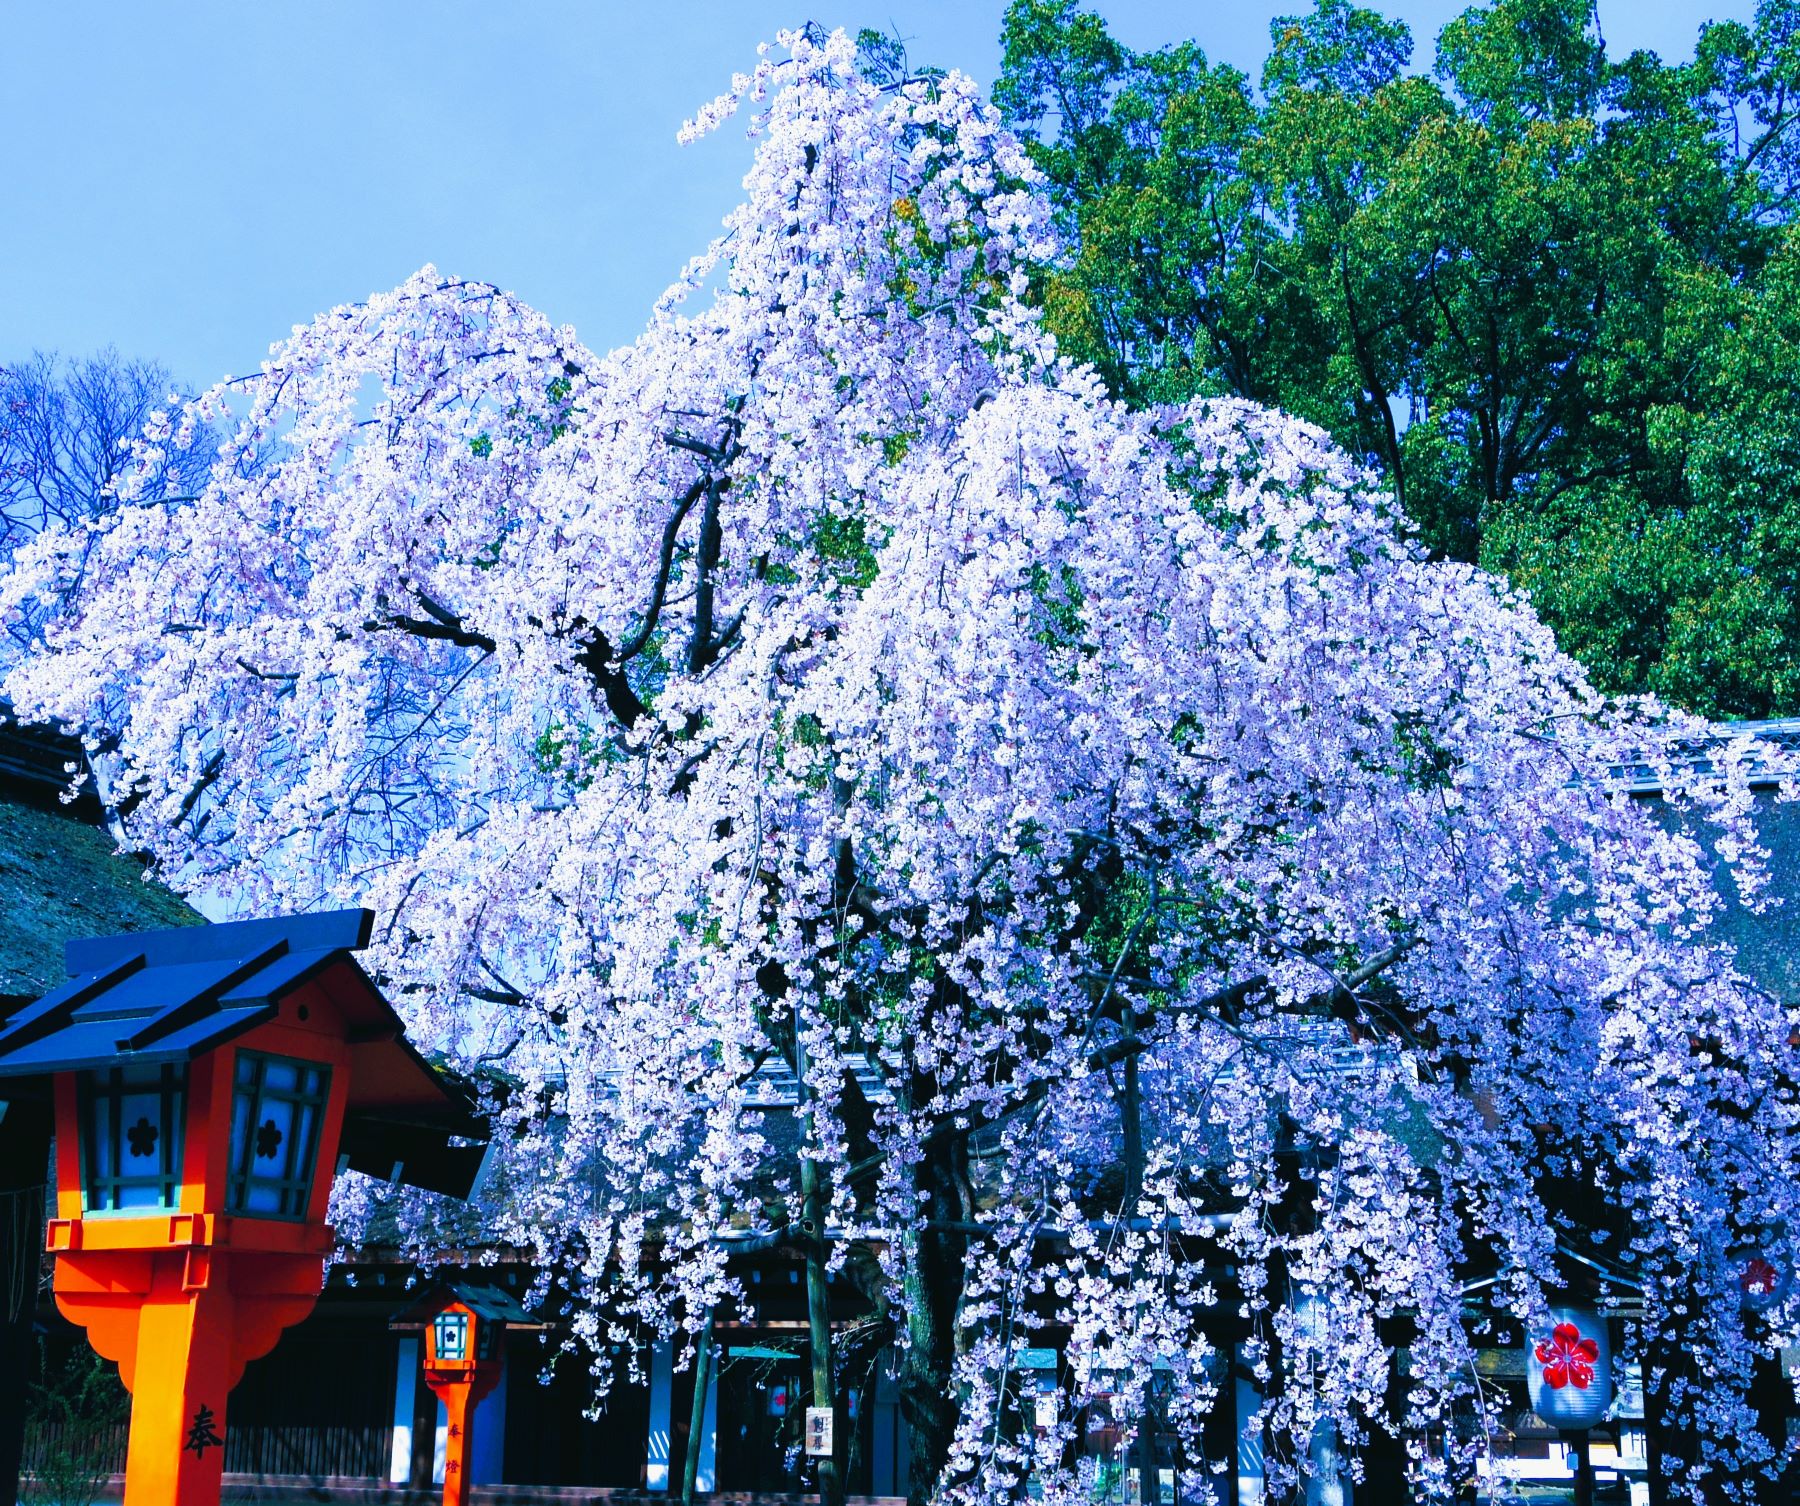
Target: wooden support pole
(24,1161)
(1131,1115)
(1578,1440)
(690,1460)
(818,1289)
(458,1409)
(180,1382)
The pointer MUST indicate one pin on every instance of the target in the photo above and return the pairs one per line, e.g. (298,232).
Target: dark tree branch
(717,454)
(597,659)
(451,631)
(701,648)
(659,589)
(208,777)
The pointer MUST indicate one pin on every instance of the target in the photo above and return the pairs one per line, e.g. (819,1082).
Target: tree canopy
(1547,293)
(1147,860)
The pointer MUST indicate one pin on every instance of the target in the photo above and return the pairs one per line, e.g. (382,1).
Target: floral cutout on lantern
(1765,1270)
(268,1139)
(1568,1359)
(1758,1277)
(141,1137)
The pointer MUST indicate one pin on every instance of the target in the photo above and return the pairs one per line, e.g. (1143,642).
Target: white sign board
(818,1432)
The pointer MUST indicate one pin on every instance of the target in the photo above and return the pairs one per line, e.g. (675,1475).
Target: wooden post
(176,1453)
(1579,1439)
(1384,1455)
(458,1409)
(1670,1443)
(461,1392)
(1131,1115)
(690,1460)
(818,1290)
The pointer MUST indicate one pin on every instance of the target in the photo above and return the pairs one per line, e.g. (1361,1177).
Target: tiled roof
(1783,734)
(164,996)
(1767,943)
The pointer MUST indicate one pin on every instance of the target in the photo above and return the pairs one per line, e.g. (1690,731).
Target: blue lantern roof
(150,997)
(165,996)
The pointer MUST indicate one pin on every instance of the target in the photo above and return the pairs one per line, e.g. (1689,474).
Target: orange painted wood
(183,1299)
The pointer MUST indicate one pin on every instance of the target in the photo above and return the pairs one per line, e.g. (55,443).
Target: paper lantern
(1568,1368)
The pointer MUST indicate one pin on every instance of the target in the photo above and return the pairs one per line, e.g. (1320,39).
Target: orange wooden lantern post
(464,1358)
(203,1079)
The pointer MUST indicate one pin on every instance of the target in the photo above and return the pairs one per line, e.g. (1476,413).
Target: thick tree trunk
(934,1277)
(24,1161)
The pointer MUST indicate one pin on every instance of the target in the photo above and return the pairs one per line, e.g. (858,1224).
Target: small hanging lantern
(1568,1368)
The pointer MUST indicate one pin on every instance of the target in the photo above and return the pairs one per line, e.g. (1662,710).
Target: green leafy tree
(1546,293)
(1699,601)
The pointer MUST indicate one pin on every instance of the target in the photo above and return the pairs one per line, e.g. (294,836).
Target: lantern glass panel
(487,1339)
(276,1106)
(450,1335)
(131,1119)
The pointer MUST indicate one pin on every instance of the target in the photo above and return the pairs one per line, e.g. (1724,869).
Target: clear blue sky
(188,180)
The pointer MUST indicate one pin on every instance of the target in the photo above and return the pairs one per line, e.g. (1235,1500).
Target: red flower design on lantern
(1758,1278)
(1567,1358)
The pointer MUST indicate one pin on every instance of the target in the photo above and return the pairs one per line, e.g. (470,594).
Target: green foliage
(1701,602)
(1551,297)
(841,543)
(571,753)
(74,1429)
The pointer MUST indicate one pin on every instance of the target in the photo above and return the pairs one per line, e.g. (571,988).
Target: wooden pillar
(180,1382)
(459,1410)
(818,1292)
(1670,1445)
(460,1393)
(1580,1442)
(1219,1436)
(1384,1456)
